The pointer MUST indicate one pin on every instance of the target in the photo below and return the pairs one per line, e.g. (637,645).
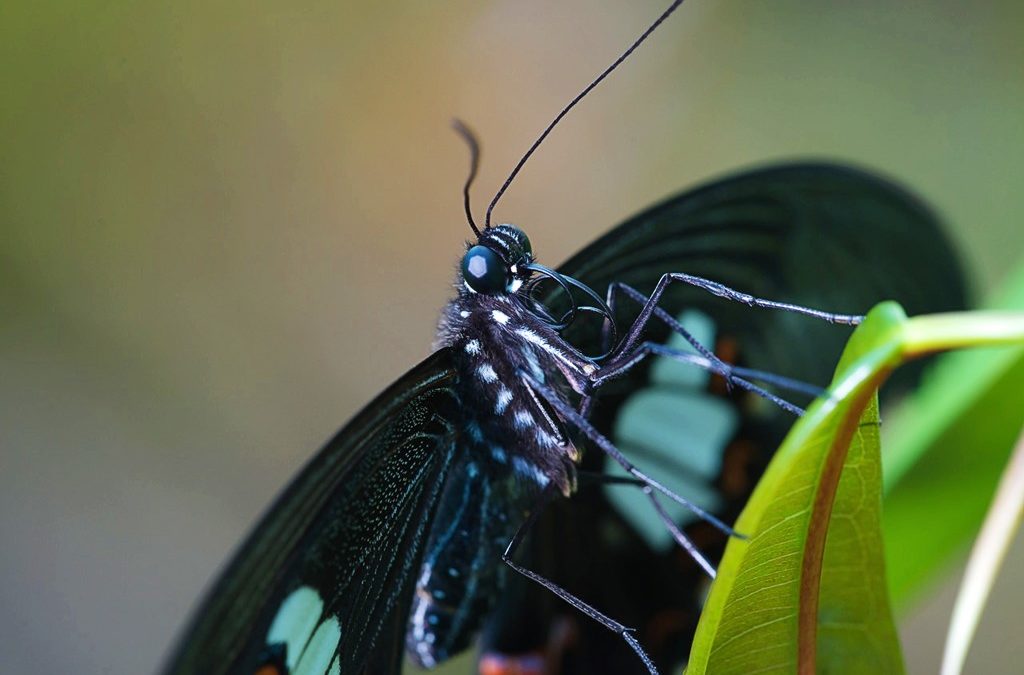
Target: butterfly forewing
(326,577)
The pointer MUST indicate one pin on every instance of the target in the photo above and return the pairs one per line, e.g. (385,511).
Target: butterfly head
(498,263)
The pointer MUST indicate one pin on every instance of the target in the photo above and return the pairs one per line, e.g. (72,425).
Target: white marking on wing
(319,652)
(295,622)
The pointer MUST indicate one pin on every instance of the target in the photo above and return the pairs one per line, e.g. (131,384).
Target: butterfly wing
(821,235)
(818,235)
(324,581)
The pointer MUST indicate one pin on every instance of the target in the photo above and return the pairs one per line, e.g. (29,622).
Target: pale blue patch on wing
(682,430)
(671,372)
(295,621)
(676,433)
(321,649)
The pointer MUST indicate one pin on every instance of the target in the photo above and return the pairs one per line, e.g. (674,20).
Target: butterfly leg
(590,478)
(740,377)
(620,360)
(709,361)
(608,335)
(650,306)
(611,624)
(649,485)
(576,419)
(617,288)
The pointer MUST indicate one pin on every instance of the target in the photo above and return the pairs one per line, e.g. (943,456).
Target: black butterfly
(391,539)
(344,545)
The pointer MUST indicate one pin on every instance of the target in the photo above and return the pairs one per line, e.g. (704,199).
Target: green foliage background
(226,226)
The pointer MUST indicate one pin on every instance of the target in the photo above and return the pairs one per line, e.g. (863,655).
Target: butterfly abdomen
(500,347)
(511,447)
(459,580)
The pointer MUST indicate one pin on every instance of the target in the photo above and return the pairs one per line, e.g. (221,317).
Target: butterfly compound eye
(484,271)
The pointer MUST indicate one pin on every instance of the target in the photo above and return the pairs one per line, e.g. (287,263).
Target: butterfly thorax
(502,350)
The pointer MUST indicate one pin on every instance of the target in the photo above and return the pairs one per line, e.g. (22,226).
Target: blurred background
(225,226)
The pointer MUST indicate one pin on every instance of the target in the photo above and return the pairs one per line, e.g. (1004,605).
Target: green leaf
(946,453)
(762,614)
(790,599)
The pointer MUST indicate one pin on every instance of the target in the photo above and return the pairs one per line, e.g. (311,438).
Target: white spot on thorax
(464,314)
(500,316)
(530,470)
(473,347)
(545,439)
(504,398)
(530,336)
(557,353)
(535,369)
(486,373)
(475,432)
(523,419)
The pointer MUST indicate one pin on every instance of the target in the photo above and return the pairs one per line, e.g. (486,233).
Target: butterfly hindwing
(323,583)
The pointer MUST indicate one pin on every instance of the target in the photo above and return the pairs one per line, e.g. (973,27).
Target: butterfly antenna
(474,162)
(565,111)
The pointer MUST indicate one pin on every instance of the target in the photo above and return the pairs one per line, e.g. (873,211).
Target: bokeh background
(225,226)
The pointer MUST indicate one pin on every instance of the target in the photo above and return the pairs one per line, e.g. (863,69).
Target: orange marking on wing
(736,459)
(666,624)
(525,664)
(727,349)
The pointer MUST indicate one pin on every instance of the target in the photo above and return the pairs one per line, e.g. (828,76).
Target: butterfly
(496,449)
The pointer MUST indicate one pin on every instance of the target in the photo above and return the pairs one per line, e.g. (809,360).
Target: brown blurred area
(226,226)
